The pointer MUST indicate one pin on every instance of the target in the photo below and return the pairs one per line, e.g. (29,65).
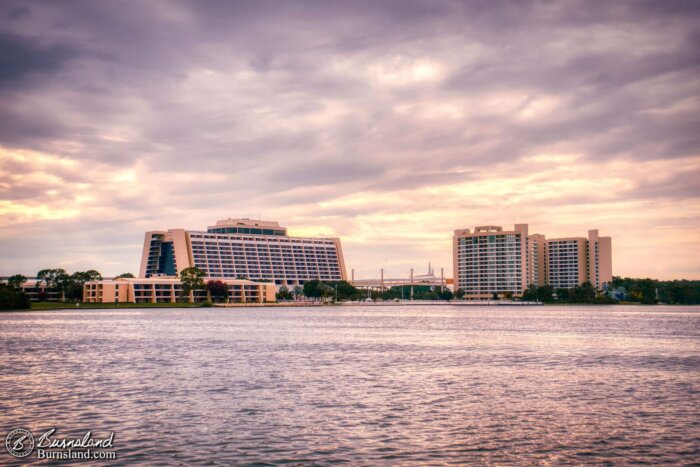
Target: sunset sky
(388,124)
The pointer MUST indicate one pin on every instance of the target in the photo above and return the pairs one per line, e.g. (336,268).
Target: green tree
(217,289)
(647,288)
(584,293)
(430,295)
(298,291)
(311,289)
(283,293)
(326,290)
(563,295)
(345,290)
(16,281)
(76,283)
(192,279)
(530,294)
(54,279)
(126,275)
(12,298)
(446,294)
(684,292)
(317,289)
(544,294)
(459,294)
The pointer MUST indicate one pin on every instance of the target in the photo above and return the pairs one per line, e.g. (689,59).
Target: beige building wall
(537,263)
(523,230)
(458,233)
(600,259)
(490,261)
(110,291)
(558,262)
(606,274)
(182,249)
(341,259)
(244,248)
(167,290)
(567,262)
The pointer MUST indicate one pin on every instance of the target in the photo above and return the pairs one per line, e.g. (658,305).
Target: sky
(386,123)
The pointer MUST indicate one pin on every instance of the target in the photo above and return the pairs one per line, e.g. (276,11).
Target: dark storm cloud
(24,58)
(242,87)
(154,113)
(135,56)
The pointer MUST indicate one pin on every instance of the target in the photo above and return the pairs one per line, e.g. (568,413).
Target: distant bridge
(383,283)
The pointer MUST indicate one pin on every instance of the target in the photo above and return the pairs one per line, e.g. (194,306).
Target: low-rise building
(37,291)
(169,290)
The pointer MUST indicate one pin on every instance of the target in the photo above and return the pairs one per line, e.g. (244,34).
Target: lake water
(361,385)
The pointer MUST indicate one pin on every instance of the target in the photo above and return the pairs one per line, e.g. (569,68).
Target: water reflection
(362,385)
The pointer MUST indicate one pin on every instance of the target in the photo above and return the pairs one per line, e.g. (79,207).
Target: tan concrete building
(573,261)
(599,259)
(492,261)
(536,264)
(567,265)
(243,248)
(37,290)
(169,290)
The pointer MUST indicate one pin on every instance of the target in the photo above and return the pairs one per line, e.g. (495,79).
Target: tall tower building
(493,261)
(567,265)
(243,248)
(490,260)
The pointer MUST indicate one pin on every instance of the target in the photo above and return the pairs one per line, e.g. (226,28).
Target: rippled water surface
(365,385)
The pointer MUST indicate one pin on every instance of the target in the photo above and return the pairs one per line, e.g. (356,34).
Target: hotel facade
(492,261)
(169,290)
(244,249)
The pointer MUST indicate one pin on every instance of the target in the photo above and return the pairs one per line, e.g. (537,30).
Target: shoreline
(149,306)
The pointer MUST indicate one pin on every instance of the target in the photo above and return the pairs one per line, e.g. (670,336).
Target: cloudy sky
(388,124)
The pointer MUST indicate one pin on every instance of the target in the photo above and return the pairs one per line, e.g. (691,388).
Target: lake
(361,385)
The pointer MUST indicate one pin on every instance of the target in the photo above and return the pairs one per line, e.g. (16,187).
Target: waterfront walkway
(382,303)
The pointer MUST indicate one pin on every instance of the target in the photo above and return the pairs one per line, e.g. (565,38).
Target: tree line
(343,291)
(644,291)
(57,281)
(652,291)
(584,293)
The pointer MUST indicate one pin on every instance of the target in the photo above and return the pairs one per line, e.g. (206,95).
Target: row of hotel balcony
(262,248)
(164,290)
(263,270)
(480,255)
(294,243)
(240,261)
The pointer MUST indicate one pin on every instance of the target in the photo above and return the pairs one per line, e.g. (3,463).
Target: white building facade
(244,248)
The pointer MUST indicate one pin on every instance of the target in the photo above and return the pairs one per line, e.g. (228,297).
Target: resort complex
(491,261)
(170,290)
(243,248)
(251,260)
